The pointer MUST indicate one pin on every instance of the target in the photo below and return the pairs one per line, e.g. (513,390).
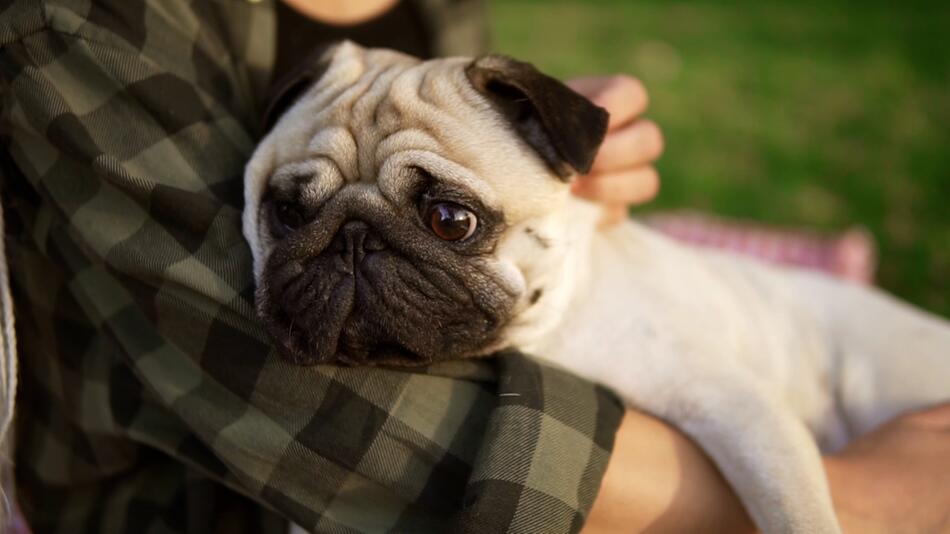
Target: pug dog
(407,212)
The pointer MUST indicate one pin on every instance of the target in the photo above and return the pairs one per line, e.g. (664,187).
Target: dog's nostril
(350,235)
(373,243)
(357,237)
(354,228)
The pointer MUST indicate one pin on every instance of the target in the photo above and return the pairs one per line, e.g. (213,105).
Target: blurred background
(819,115)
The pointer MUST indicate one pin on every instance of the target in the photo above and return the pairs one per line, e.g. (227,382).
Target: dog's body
(754,362)
(383,157)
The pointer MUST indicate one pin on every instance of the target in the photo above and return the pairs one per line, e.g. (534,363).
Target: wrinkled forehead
(374,111)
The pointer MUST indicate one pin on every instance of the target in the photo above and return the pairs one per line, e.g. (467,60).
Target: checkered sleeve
(150,399)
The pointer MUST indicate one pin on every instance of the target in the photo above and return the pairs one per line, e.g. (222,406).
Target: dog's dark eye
(288,217)
(451,222)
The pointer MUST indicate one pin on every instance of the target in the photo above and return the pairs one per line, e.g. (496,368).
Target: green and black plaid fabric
(150,400)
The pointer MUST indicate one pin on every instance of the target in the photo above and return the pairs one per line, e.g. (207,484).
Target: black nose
(353,240)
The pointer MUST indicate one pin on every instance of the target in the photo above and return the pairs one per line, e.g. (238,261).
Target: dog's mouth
(361,340)
(388,353)
(332,323)
(371,316)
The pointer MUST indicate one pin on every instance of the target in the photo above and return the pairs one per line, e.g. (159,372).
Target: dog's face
(400,211)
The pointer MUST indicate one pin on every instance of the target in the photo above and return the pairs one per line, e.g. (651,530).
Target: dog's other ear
(563,127)
(289,87)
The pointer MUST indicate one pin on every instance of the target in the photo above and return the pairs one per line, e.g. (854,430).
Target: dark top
(401,28)
(149,397)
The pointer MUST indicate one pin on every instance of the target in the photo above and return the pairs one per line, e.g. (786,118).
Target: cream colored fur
(758,364)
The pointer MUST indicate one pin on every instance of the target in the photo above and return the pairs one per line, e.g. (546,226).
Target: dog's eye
(451,222)
(288,217)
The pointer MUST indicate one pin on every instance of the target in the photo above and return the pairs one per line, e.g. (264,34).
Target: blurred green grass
(811,114)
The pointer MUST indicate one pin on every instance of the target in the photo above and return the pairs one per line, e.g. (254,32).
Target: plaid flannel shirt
(150,399)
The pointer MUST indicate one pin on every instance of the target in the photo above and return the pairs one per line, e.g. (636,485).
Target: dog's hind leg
(889,357)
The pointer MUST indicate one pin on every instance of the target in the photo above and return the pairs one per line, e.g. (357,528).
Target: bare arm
(659,481)
(895,479)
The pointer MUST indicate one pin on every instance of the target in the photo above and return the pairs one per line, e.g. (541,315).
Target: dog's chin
(384,310)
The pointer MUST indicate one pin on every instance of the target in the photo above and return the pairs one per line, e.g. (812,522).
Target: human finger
(630,186)
(634,145)
(624,97)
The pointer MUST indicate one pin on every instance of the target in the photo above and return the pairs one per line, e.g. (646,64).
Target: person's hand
(897,478)
(623,172)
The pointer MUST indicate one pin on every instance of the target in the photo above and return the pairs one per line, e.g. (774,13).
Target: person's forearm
(659,481)
(896,478)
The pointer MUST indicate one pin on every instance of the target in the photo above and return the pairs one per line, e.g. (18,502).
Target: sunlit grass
(820,115)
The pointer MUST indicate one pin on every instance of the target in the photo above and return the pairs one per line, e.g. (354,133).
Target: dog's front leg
(762,449)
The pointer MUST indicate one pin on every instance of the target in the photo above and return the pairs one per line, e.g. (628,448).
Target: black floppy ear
(289,87)
(563,127)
